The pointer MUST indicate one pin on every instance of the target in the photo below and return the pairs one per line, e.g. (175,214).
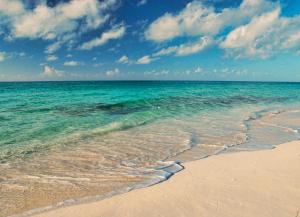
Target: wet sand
(262,183)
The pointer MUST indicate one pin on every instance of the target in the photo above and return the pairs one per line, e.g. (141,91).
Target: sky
(250,40)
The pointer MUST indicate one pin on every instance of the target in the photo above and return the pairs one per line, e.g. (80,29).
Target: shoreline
(226,178)
(177,167)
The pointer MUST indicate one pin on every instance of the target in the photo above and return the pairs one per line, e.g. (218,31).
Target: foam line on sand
(246,184)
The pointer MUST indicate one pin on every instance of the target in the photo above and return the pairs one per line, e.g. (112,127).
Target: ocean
(70,142)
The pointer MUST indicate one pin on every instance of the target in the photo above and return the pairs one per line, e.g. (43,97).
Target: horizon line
(146,80)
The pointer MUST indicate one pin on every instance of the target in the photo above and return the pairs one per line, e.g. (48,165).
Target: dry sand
(257,184)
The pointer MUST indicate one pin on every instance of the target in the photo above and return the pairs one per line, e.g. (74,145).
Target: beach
(68,143)
(258,183)
(143,109)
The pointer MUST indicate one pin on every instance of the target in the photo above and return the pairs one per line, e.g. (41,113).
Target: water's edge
(169,170)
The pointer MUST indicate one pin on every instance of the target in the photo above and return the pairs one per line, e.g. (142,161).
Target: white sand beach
(262,183)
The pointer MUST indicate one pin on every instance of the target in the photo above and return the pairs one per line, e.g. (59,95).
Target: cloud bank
(256,29)
(63,23)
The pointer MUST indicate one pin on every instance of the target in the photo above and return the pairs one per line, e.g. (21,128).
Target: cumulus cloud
(52,72)
(244,37)
(246,34)
(2,56)
(256,29)
(114,33)
(164,28)
(51,22)
(186,49)
(72,63)
(292,40)
(61,23)
(264,36)
(11,7)
(198,20)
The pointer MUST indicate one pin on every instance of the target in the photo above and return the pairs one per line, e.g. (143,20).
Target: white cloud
(256,29)
(42,22)
(52,72)
(11,7)
(2,56)
(62,23)
(246,34)
(111,73)
(186,49)
(51,58)
(67,40)
(124,60)
(72,63)
(264,36)
(53,47)
(197,20)
(51,22)
(166,51)
(144,60)
(293,40)
(141,61)
(164,28)
(178,50)
(115,33)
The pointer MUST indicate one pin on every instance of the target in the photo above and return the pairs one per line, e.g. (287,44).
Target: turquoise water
(105,137)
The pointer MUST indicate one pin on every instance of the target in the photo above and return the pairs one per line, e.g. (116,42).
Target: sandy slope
(256,184)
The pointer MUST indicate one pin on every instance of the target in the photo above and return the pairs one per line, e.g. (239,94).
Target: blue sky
(149,40)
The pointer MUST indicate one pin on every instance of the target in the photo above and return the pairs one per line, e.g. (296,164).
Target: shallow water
(65,140)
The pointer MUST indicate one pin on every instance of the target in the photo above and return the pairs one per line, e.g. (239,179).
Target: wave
(158,174)
(73,139)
